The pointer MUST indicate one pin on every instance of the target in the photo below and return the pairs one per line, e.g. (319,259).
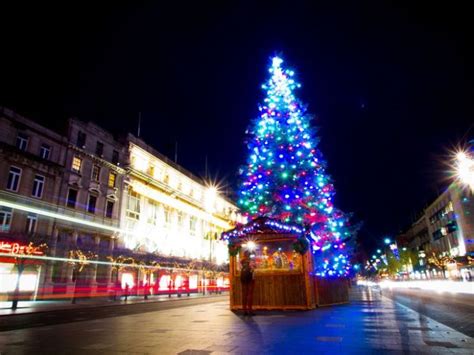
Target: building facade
(90,192)
(169,211)
(445,229)
(31,171)
(90,198)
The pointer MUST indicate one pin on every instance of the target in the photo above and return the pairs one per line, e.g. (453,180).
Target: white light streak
(57,216)
(432,285)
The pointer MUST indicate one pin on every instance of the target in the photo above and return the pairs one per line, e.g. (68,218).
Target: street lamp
(387,241)
(465,168)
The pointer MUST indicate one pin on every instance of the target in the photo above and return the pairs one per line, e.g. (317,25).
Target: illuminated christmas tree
(285,175)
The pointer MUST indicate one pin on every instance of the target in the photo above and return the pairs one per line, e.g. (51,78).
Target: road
(370,324)
(454,310)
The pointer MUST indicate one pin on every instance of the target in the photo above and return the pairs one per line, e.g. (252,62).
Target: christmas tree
(285,175)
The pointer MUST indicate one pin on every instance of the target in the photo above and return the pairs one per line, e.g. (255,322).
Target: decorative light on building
(210,198)
(465,168)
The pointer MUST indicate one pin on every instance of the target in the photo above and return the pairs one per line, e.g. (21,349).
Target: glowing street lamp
(465,168)
(387,241)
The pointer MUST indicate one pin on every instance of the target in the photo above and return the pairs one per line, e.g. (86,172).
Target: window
(151,170)
(133,205)
(45,150)
(95,173)
(5,219)
(31,222)
(91,203)
(22,141)
(81,139)
(167,213)
(109,209)
(192,224)
(14,179)
(115,157)
(180,218)
(112,178)
(71,198)
(38,184)
(152,212)
(99,149)
(76,164)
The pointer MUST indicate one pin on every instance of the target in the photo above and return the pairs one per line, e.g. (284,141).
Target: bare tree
(23,247)
(79,260)
(441,261)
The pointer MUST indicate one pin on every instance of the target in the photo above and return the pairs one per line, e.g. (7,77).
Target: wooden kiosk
(283,276)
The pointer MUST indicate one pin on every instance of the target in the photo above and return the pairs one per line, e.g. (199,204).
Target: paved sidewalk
(57,305)
(371,324)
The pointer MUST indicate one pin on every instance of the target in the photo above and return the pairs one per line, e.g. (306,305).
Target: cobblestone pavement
(370,324)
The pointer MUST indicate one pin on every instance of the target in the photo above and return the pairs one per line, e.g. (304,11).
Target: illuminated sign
(19,249)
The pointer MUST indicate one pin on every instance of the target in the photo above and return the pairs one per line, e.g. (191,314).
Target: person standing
(247,281)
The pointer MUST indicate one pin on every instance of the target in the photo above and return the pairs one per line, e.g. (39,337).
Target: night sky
(391,88)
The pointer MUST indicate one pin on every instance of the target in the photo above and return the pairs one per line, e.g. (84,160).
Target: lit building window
(151,170)
(14,178)
(38,184)
(152,212)
(192,224)
(180,218)
(76,164)
(31,222)
(167,213)
(95,173)
(133,205)
(112,178)
(5,219)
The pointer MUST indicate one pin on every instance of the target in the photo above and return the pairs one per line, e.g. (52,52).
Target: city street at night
(236,178)
(369,324)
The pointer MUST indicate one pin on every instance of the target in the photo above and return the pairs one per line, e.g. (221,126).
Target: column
(47,284)
(93,269)
(70,266)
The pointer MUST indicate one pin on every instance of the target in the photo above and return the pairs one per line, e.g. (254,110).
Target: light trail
(99,262)
(431,285)
(58,216)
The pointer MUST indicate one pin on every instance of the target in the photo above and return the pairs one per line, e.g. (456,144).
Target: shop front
(12,265)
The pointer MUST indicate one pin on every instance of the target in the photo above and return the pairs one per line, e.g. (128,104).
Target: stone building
(89,196)
(90,192)
(451,221)
(31,167)
(170,212)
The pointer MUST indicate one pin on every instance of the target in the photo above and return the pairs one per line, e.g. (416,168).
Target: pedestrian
(247,280)
(126,290)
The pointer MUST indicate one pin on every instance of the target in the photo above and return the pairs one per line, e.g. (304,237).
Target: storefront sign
(14,248)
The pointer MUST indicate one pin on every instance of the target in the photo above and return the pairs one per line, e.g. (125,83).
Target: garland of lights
(285,177)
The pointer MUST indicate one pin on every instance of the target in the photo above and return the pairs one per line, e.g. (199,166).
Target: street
(453,309)
(369,324)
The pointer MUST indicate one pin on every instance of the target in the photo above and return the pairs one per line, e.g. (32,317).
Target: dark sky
(391,87)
